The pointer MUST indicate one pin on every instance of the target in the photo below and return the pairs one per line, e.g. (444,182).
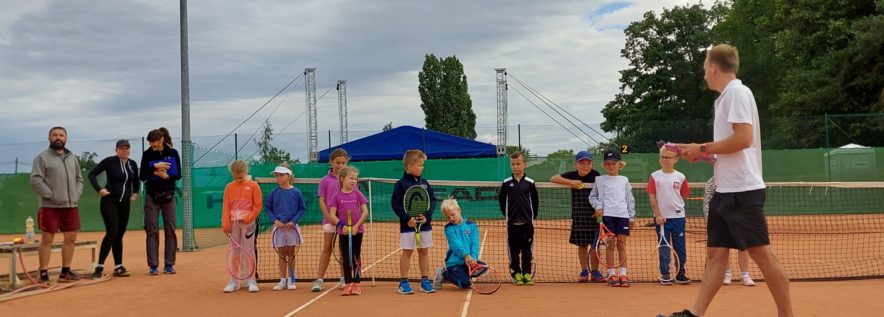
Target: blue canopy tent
(391,144)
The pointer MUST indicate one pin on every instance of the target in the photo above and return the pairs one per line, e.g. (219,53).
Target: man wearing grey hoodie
(57,180)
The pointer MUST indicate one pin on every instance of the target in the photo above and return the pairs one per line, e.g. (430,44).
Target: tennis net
(820,231)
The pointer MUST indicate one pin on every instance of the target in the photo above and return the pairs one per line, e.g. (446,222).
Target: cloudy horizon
(110,70)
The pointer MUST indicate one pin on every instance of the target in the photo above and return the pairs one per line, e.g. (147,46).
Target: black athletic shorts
(736,220)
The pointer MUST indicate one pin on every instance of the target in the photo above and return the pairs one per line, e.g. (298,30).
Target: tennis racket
(676,149)
(240,260)
(417,203)
(601,246)
(669,261)
(286,243)
(350,259)
(484,279)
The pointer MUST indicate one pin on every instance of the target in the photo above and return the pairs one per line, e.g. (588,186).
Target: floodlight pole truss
(310,92)
(501,110)
(342,109)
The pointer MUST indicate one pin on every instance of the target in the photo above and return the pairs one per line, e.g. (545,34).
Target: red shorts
(52,219)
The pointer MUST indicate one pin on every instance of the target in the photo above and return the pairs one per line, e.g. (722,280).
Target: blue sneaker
(597,276)
(583,277)
(427,286)
(169,269)
(153,271)
(405,288)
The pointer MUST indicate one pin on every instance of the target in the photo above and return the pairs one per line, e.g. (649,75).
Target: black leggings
(343,240)
(116,217)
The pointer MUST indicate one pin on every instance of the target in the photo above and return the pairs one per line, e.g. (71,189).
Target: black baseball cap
(123,142)
(612,155)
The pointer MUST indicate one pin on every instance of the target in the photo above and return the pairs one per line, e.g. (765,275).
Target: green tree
(663,94)
(87,160)
(269,153)
(445,98)
(831,54)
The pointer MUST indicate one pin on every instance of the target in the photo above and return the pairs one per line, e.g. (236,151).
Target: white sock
(745,274)
(622,271)
(612,272)
(100,266)
(727,272)
(283,280)
(118,266)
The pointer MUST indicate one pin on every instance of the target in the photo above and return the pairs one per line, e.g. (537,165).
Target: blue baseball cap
(611,155)
(583,155)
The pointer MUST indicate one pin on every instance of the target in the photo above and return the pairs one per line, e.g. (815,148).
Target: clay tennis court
(196,291)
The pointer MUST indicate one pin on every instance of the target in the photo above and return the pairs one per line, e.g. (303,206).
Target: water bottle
(29,230)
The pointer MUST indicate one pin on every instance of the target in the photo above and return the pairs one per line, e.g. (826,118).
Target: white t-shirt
(614,195)
(670,189)
(739,171)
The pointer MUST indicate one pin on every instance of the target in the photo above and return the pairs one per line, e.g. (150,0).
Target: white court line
(466,303)
(299,309)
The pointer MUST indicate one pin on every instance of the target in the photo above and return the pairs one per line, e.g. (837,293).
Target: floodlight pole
(186,143)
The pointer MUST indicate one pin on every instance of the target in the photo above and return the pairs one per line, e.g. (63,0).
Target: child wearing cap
(584,227)
(284,206)
(613,200)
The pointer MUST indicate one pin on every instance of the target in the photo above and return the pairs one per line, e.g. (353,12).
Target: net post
(374,254)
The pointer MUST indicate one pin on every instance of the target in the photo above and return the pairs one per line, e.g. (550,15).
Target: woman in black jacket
(121,188)
(160,168)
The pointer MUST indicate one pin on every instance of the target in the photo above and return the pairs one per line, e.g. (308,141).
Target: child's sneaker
(517,280)
(356,290)
(727,279)
(44,276)
(283,284)
(121,271)
(684,313)
(583,277)
(70,276)
(169,269)
(613,281)
(528,279)
(153,271)
(438,279)
(253,286)
(317,285)
(291,285)
(231,287)
(681,279)
(427,286)
(347,290)
(99,270)
(341,283)
(597,276)
(405,288)
(665,280)
(747,281)
(624,281)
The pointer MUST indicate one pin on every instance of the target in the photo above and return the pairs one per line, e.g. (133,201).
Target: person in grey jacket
(56,178)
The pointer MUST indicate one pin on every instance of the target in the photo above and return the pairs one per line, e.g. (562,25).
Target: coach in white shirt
(736,215)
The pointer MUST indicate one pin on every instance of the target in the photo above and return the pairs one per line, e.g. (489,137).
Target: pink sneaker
(348,290)
(356,290)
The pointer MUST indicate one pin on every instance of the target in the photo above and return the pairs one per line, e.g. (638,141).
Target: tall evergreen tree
(445,98)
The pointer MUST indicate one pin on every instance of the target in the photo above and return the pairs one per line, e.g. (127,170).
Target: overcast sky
(110,69)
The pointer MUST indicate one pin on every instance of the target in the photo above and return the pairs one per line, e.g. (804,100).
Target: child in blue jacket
(463,247)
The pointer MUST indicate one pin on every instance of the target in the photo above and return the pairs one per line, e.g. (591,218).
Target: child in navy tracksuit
(463,247)
(518,203)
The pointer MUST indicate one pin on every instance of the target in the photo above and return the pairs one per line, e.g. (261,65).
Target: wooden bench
(12,252)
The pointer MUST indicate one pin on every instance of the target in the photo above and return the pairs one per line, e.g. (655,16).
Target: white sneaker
(317,285)
(283,284)
(438,279)
(253,286)
(748,281)
(727,279)
(341,283)
(292,285)
(231,287)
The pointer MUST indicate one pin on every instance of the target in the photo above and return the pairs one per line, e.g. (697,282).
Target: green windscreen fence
(18,201)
